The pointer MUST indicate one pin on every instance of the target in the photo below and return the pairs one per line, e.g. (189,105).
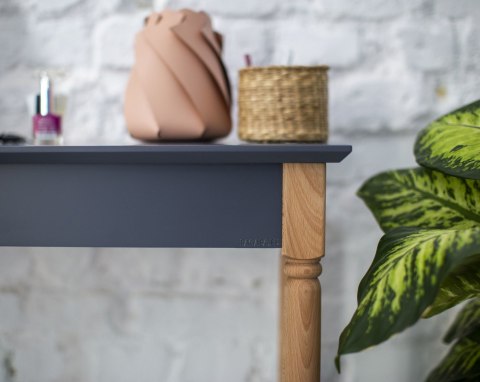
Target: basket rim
(283,67)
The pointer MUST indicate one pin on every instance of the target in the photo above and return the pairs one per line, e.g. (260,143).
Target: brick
(114,40)
(337,45)
(125,360)
(469,39)
(102,9)
(55,7)
(191,4)
(95,107)
(248,8)
(370,156)
(397,352)
(367,9)
(250,278)
(112,83)
(232,329)
(54,312)
(136,269)
(242,38)
(264,361)
(186,272)
(223,351)
(58,42)
(53,269)
(35,357)
(15,267)
(11,48)
(16,123)
(125,313)
(82,122)
(377,101)
(160,5)
(429,45)
(17,89)
(10,306)
(451,91)
(457,8)
(11,7)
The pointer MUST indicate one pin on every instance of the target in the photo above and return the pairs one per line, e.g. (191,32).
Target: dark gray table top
(193,153)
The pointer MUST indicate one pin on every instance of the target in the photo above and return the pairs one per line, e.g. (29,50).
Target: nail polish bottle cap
(37,104)
(45,95)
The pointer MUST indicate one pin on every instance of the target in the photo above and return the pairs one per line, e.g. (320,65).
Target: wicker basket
(283,104)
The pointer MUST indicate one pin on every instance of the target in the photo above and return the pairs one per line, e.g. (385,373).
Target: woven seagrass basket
(283,104)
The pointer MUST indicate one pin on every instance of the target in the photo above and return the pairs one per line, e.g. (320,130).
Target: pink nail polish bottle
(47,126)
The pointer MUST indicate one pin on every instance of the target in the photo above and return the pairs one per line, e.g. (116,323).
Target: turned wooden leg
(303,246)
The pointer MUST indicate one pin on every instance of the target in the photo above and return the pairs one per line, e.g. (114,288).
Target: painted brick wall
(95,315)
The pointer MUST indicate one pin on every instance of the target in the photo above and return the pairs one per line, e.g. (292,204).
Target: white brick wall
(85,315)
(428,44)
(333,44)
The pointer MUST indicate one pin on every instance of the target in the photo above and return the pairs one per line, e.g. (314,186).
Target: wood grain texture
(303,246)
(300,351)
(303,210)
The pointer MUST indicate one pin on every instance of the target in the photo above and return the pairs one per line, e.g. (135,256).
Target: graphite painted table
(196,195)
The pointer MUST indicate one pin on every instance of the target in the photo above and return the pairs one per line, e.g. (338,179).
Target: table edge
(175,153)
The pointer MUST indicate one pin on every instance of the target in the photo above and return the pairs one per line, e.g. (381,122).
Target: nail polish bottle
(47,126)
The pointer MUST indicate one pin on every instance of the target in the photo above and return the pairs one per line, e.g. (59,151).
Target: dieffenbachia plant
(429,257)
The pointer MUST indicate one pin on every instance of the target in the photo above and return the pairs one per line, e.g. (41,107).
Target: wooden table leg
(303,245)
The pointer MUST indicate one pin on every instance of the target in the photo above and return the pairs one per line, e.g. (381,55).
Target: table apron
(142,205)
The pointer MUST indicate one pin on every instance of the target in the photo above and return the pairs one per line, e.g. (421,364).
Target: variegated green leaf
(466,322)
(452,143)
(460,285)
(422,198)
(462,363)
(403,280)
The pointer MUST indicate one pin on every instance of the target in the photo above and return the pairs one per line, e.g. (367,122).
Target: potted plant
(429,257)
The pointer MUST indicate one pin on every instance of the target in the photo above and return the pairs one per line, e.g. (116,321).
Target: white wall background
(96,315)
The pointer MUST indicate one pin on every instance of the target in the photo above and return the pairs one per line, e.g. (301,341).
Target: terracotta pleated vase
(178,87)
